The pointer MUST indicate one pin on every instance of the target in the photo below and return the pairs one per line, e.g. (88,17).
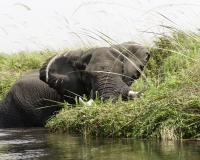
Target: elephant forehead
(105,65)
(103,56)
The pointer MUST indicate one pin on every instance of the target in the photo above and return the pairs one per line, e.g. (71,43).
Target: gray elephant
(38,94)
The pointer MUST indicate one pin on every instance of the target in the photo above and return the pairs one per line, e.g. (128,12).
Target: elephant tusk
(82,102)
(132,94)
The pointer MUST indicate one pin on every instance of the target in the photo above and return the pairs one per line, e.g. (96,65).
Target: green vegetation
(169,109)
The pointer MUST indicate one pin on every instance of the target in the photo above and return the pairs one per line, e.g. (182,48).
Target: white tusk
(132,94)
(82,102)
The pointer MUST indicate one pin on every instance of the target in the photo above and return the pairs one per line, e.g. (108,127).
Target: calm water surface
(40,144)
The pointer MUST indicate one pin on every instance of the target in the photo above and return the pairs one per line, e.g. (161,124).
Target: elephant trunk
(131,94)
(109,87)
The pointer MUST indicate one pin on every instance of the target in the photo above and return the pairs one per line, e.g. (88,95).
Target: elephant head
(108,71)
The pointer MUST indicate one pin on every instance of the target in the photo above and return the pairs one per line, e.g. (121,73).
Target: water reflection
(40,144)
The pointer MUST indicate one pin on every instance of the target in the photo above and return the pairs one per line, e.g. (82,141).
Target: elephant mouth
(131,95)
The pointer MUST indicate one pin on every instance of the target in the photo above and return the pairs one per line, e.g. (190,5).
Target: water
(40,144)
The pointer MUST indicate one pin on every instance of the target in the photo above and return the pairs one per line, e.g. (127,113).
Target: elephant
(20,106)
(103,71)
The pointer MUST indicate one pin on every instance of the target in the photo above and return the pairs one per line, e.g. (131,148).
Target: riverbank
(169,109)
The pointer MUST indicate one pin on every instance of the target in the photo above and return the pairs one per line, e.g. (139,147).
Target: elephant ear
(84,60)
(136,57)
(59,71)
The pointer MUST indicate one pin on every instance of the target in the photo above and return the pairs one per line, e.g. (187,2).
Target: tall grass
(168,110)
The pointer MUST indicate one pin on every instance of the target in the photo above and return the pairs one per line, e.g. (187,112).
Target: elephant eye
(87,77)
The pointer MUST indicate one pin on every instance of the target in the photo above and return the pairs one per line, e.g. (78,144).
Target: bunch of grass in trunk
(170,109)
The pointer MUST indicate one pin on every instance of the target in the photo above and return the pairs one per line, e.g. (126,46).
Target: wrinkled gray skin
(106,70)
(17,108)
